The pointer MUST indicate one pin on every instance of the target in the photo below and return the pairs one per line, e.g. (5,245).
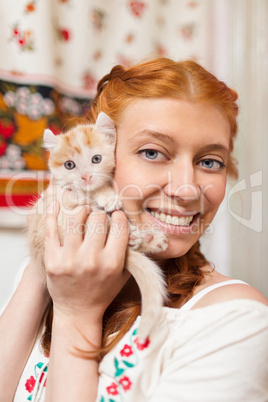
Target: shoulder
(231,292)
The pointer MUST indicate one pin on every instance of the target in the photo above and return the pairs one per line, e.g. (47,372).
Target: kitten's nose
(87,178)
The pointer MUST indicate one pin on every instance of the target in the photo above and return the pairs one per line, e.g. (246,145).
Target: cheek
(214,192)
(131,185)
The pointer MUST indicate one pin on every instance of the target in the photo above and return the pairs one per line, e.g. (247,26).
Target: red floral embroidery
(30,7)
(89,81)
(144,345)
(16,31)
(192,4)
(126,383)
(161,50)
(23,38)
(97,55)
(187,31)
(98,18)
(41,378)
(130,38)
(30,383)
(112,389)
(137,7)
(64,34)
(126,351)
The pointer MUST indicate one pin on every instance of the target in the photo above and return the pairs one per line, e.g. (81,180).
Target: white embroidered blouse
(217,353)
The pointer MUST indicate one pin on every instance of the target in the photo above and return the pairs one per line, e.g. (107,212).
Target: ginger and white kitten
(82,163)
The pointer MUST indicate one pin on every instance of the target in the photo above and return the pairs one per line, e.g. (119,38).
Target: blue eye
(152,154)
(69,165)
(212,164)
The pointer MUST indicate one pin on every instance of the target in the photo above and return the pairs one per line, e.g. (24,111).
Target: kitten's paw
(158,243)
(147,241)
(113,204)
(135,240)
(109,203)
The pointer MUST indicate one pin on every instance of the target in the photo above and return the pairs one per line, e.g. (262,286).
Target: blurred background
(53,52)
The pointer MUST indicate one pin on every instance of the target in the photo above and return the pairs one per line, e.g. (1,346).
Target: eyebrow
(168,139)
(215,147)
(155,134)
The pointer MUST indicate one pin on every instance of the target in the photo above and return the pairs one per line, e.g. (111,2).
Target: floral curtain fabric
(53,52)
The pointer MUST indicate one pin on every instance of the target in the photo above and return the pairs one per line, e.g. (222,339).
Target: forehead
(177,119)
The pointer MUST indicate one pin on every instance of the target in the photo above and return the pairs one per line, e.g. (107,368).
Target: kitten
(82,163)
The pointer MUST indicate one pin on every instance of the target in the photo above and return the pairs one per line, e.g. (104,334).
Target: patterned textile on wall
(53,52)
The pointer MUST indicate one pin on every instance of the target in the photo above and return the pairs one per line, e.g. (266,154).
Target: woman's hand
(83,277)
(87,272)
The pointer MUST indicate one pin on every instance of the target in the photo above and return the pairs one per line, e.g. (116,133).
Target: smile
(171,219)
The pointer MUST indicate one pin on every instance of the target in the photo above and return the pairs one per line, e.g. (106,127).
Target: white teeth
(162,217)
(168,219)
(173,220)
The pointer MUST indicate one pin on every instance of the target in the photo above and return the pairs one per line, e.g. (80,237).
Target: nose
(182,183)
(87,177)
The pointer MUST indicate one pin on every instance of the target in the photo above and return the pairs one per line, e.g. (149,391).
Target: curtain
(248,198)
(55,51)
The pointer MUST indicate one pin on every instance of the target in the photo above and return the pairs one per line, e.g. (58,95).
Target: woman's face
(170,167)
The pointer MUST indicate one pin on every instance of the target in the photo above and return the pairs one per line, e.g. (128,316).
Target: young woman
(176,124)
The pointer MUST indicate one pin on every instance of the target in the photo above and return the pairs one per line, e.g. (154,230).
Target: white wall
(249,71)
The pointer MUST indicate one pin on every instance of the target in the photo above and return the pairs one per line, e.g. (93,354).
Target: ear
(50,140)
(106,126)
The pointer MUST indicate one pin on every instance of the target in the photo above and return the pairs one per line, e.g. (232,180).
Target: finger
(52,241)
(75,227)
(96,231)
(118,236)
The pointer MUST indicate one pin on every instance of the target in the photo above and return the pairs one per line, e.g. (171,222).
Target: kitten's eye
(69,165)
(96,159)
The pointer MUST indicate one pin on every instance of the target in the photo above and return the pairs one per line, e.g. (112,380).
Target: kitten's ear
(105,125)
(50,140)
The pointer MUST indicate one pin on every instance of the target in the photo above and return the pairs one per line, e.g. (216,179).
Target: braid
(116,73)
(184,274)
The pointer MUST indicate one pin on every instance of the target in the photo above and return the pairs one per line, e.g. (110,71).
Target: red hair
(159,78)
(162,77)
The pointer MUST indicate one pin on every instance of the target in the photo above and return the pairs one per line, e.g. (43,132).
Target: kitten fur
(82,163)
